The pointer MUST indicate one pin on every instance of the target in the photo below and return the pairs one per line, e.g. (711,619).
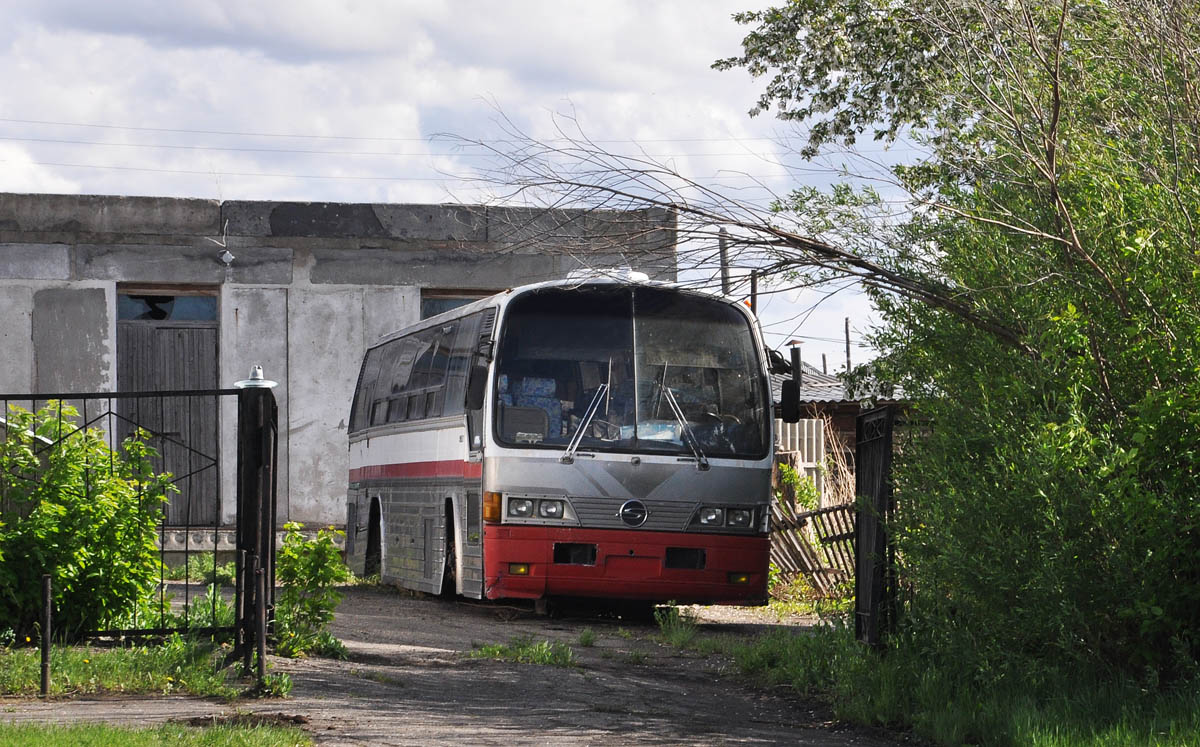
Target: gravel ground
(410,680)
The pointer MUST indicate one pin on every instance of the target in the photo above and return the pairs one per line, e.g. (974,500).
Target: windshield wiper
(569,455)
(688,435)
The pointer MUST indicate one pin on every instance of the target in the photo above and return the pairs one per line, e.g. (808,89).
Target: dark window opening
(161,308)
(434,302)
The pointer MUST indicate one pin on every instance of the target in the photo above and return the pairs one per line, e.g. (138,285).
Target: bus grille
(601,513)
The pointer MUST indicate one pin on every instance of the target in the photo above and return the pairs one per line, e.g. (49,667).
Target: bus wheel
(449,573)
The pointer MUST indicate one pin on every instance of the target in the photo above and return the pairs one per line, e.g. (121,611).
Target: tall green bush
(307,570)
(79,511)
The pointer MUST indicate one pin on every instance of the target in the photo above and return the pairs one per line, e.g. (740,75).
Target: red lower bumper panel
(533,562)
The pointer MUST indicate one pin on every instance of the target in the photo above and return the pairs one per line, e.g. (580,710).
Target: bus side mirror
(789,401)
(476,384)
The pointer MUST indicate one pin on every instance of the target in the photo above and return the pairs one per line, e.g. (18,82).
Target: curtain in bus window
(699,353)
(559,348)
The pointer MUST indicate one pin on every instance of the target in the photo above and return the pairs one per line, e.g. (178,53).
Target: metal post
(260,632)
(754,291)
(47,614)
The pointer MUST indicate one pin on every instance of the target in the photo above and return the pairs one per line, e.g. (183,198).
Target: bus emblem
(633,513)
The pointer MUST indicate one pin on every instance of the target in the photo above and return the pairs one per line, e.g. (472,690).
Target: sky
(342,100)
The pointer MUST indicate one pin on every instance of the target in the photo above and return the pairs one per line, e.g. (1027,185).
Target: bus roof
(503,298)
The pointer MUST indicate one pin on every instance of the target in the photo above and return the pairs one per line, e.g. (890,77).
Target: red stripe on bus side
(443,468)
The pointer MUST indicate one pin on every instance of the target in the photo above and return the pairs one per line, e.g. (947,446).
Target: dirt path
(410,681)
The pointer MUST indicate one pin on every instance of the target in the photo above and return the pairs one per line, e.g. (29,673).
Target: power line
(466,141)
(216,172)
(308,151)
(363,137)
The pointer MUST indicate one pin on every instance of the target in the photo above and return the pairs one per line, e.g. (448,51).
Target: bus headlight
(550,509)
(521,508)
(738,517)
(712,516)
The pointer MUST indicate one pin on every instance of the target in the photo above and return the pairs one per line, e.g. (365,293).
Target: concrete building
(90,284)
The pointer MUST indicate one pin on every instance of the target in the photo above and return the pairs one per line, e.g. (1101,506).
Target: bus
(595,438)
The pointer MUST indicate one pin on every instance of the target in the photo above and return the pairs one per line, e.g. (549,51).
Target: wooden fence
(819,544)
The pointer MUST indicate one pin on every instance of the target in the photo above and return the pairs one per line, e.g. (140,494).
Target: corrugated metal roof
(814,386)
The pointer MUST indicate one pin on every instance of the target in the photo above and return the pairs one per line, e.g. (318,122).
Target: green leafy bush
(307,571)
(80,511)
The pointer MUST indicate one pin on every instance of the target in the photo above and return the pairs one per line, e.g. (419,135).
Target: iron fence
(183,433)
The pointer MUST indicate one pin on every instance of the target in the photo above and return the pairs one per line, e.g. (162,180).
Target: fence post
(875,573)
(47,614)
(256,485)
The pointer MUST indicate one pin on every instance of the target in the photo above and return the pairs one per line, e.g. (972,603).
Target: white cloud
(347,70)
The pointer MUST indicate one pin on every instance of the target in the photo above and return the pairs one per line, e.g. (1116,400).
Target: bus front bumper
(535,561)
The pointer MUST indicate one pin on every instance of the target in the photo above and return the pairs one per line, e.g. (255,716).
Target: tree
(1038,289)
(1048,511)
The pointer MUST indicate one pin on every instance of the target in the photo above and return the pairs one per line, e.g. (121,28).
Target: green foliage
(677,627)
(587,638)
(942,702)
(221,735)
(1047,493)
(178,665)
(307,571)
(201,566)
(80,511)
(794,595)
(525,650)
(275,685)
(808,497)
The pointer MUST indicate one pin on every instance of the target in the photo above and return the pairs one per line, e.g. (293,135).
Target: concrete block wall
(311,286)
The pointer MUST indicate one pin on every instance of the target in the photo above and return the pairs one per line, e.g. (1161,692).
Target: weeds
(179,665)
(677,627)
(938,702)
(308,570)
(527,651)
(227,735)
(202,567)
(587,638)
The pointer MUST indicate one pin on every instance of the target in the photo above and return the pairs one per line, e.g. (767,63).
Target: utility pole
(824,368)
(722,243)
(847,344)
(754,295)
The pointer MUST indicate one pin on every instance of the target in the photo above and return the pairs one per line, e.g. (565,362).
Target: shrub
(307,570)
(80,511)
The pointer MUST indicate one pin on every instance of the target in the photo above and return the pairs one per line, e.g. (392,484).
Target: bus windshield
(636,369)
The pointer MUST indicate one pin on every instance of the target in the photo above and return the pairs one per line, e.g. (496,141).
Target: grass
(901,690)
(201,566)
(793,595)
(676,627)
(179,665)
(587,638)
(39,735)
(527,651)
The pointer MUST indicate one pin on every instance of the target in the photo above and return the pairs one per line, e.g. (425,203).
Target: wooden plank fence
(819,544)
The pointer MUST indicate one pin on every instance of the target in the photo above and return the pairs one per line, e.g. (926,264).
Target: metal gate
(875,578)
(194,524)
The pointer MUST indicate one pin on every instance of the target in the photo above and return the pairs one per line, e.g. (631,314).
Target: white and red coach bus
(595,438)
